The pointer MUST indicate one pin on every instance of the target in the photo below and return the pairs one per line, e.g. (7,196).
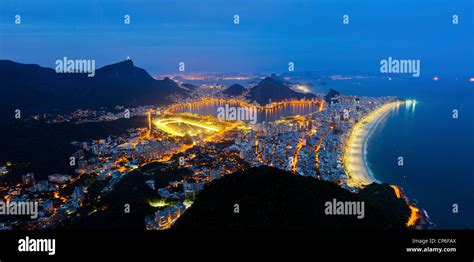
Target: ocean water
(437,150)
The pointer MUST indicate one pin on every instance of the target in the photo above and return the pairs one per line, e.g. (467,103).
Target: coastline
(355,151)
(356,166)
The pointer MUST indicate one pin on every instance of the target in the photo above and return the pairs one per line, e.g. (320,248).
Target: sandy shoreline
(354,159)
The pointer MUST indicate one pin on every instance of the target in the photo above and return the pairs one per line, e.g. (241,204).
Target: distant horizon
(324,73)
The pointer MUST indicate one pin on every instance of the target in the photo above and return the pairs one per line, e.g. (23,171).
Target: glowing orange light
(413,216)
(397,191)
(295,157)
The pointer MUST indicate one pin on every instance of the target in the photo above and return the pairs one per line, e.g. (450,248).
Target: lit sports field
(181,125)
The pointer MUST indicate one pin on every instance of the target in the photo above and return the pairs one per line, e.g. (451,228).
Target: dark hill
(331,95)
(33,88)
(272,88)
(272,199)
(234,90)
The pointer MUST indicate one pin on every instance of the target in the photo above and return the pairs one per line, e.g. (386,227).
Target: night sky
(270,34)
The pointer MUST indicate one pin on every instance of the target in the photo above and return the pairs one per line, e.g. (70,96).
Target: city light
(302,88)
(179,126)
(414,215)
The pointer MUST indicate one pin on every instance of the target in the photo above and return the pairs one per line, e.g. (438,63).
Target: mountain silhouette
(273,199)
(272,88)
(234,90)
(34,89)
(331,96)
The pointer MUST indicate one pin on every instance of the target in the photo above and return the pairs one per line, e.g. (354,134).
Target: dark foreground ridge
(272,199)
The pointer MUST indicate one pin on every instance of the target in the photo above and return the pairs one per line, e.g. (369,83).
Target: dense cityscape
(203,147)
(130,128)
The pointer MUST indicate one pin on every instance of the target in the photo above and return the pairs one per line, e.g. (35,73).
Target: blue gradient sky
(270,34)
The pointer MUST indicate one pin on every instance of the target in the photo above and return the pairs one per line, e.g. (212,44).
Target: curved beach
(355,164)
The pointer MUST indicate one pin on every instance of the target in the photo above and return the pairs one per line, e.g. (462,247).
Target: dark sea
(437,150)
